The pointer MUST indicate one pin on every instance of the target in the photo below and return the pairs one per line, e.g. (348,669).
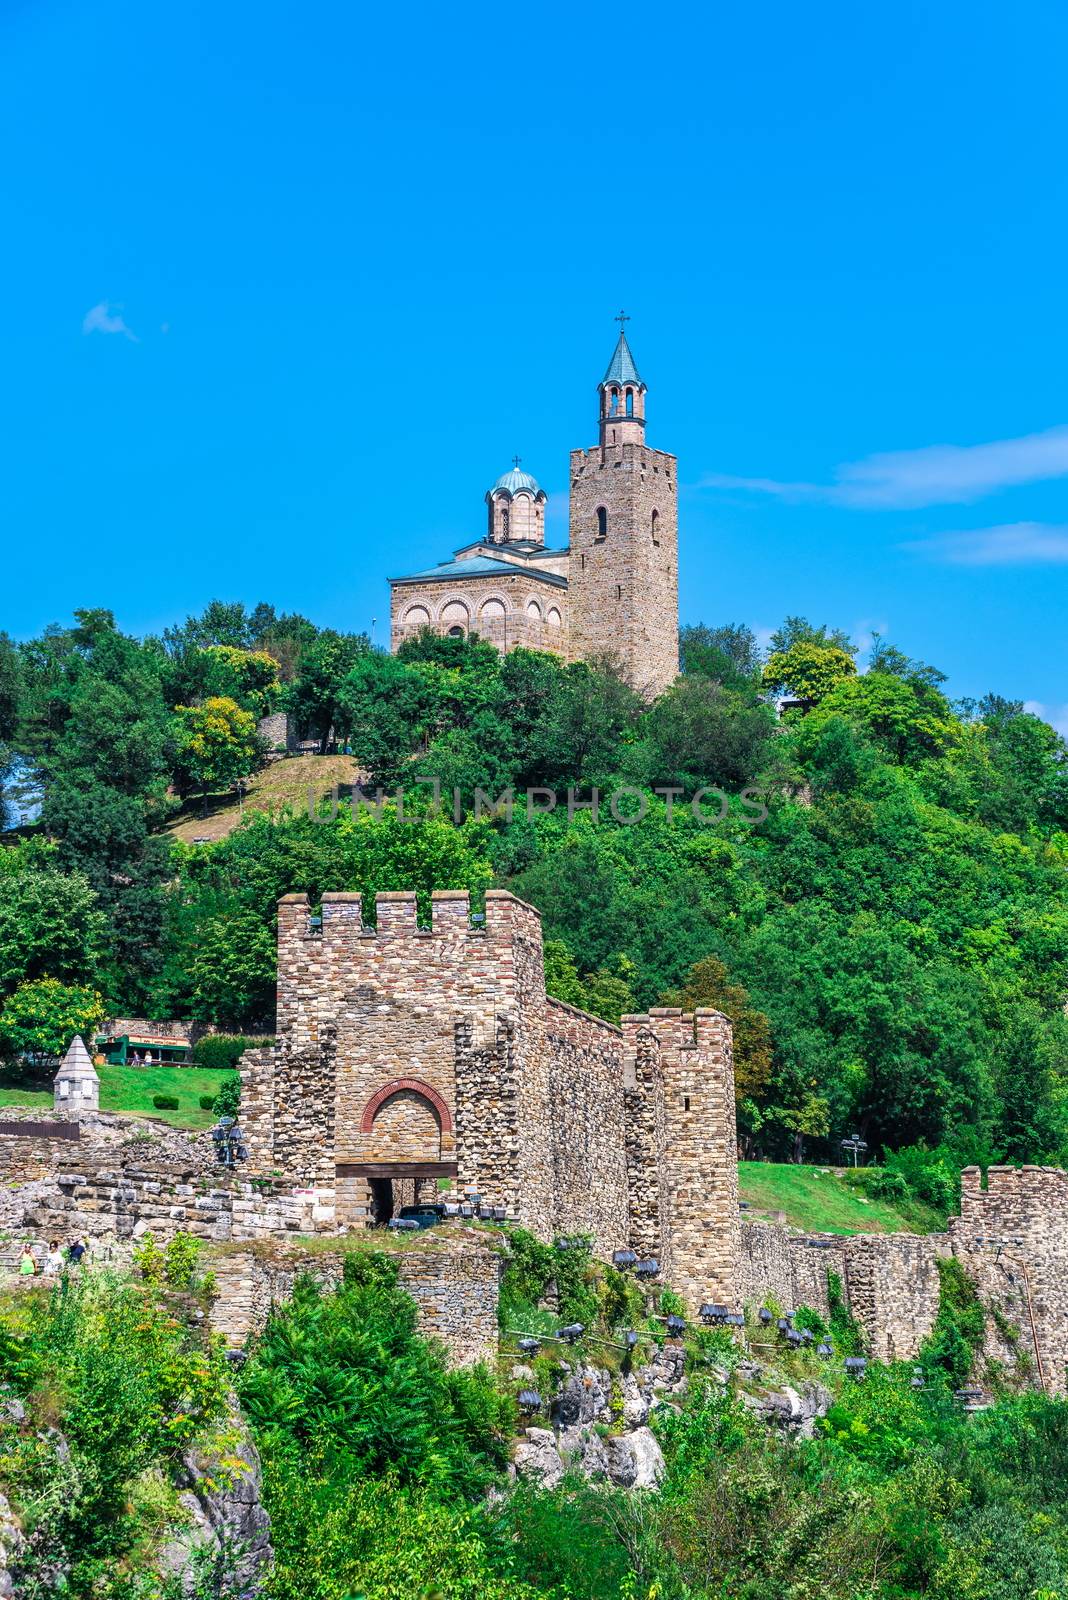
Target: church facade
(613,592)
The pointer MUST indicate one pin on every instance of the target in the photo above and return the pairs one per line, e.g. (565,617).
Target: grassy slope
(130,1090)
(818,1200)
(280,784)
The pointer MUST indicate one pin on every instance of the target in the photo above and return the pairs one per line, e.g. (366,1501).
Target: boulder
(585,1396)
(634,1460)
(583,1449)
(537,1457)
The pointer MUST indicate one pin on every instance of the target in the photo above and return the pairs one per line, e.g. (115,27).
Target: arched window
(602,523)
(630,402)
(533,611)
(655,527)
(506,518)
(454,619)
(613,409)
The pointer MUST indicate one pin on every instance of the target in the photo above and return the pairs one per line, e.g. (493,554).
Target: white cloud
(1013,544)
(106,318)
(941,474)
(1057,716)
(863,633)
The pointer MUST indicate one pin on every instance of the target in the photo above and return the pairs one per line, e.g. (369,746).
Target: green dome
(516,482)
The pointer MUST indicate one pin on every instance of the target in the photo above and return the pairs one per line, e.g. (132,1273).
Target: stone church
(614,591)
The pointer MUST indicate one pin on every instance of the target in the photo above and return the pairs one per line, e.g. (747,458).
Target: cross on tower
(621,319)
(516,460)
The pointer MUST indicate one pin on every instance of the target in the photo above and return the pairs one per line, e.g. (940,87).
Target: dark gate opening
(381,1201)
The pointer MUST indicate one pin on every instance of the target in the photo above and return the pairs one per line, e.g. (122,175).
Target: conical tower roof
(77,1063)
(621,368)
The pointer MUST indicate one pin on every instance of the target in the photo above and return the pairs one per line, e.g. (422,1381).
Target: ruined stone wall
(645,1141)
(892,1286)
(623,586)
(110,1205)
(453,1281)
(1027,1210)
(778,1264)
(587,1120)
(700,1152)
(890,1281)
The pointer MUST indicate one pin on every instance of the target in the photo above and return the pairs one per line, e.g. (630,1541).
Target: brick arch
(414,1086)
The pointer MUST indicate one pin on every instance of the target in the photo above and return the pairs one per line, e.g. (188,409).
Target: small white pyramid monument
(77,1087)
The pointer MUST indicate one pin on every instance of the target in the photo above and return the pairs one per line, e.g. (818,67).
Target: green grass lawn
(819,1200)
(130,1090)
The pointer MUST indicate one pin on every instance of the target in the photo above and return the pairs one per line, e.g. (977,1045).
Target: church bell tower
(623,577)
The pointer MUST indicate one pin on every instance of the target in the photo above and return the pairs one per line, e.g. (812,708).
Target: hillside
(281,785)
(129,1091)
(824,1200)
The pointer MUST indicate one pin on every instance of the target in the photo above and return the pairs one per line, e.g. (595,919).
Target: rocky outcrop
(794,1411)
(11,1543)
(600,1424)
(227,1533)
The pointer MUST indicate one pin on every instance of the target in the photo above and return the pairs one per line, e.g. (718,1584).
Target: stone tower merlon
(623,574)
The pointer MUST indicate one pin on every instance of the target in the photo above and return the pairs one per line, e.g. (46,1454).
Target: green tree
(708,985)
(808,670)
(315,698)
(215,745)
(700,732)
(910,720)
(43,1016)
(50,927)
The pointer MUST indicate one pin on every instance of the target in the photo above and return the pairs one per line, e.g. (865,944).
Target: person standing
(27,1263)
(54,1259)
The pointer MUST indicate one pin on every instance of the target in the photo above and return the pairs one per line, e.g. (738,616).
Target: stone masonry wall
(410,1053)
(645,1141)
(700,1152)
(1027,1210)
(442,605)
(453,1281)
(587,1116)
(890,1281)
(624,587)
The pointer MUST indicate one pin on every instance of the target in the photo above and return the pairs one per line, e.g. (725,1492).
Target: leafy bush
(533,1268)
(130,1386)
(228,1099)
(207,1102)
(845,1330)
(344,1374)
(222,1050)
(165,1102)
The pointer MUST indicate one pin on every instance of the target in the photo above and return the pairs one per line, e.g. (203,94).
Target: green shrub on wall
(224,1049)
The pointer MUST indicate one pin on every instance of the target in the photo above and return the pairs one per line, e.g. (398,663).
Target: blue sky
(287,286)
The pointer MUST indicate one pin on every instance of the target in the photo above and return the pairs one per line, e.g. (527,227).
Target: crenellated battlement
(413,1047)
(1013,1191)
(395,915)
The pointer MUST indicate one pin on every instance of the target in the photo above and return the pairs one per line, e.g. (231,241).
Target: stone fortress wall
(408,1054)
